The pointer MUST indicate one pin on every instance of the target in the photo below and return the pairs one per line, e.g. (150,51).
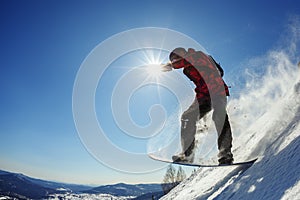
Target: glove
(166,67)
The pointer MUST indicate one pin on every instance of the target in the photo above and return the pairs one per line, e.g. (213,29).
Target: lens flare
(154,70)
(152,60)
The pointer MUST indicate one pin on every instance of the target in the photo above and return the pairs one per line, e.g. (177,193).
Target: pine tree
(171,178)
(180,175)
(170,175)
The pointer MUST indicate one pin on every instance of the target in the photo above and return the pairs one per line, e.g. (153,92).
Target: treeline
(172,178)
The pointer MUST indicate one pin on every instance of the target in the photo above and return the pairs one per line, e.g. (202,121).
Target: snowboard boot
(225,161)
(225,158)
(187,156)
(182,157)
(179,158)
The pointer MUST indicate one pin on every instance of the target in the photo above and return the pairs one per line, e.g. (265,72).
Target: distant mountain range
(122,189)
(23,187)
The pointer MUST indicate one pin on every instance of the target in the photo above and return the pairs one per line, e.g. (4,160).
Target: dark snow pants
(195,112)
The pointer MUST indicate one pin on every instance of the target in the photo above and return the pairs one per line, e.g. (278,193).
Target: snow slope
(266,117)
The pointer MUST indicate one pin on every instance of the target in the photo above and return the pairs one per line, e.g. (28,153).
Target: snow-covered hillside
(266,117)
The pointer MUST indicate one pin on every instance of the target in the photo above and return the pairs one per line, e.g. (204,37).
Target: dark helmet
(178,52)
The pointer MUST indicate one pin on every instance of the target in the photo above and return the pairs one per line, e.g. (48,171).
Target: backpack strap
(218,66)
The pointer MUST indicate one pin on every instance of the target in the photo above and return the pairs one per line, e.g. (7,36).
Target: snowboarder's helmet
(178,52)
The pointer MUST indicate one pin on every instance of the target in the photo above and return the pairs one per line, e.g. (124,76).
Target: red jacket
(200,69)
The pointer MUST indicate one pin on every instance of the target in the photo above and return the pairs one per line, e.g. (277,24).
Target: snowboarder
(211,92)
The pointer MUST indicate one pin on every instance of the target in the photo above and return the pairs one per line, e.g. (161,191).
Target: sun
(154,70)
(153,59)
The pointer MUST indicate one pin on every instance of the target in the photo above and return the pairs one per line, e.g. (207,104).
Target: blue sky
(43,44)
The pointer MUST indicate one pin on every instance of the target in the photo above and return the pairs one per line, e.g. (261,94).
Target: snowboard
(186,163)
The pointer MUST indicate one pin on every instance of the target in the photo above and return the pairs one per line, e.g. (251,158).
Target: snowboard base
(186,163)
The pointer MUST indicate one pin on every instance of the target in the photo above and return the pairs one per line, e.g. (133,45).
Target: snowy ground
(268,117)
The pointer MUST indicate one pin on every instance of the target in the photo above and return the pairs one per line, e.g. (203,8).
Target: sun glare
(154,70)
(153,59)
